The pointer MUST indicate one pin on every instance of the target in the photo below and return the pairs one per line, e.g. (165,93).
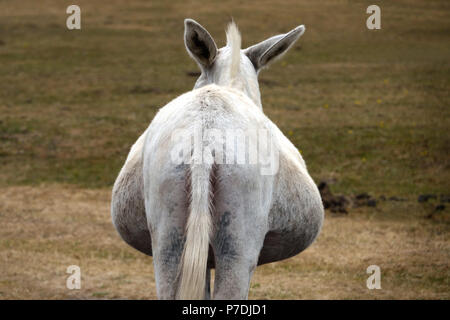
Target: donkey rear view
(212,182)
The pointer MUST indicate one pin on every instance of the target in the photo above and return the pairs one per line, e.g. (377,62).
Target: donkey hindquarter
(239,196)
(255,219)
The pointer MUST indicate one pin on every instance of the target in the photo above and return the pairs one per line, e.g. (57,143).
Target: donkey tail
(198,230)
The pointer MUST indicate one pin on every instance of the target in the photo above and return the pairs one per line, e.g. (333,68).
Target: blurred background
(368,109)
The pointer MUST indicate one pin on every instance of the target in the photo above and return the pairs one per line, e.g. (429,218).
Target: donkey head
(230,65)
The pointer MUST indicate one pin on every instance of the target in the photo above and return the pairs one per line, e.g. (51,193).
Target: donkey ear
(265,52)
(199,43)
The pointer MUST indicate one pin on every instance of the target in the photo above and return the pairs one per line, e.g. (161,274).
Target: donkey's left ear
(199,43)
(265,52)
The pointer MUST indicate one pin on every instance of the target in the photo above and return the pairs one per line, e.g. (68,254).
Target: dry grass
(46,229)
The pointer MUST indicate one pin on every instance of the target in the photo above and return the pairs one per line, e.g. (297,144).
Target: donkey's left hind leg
(168,245)
(167,209)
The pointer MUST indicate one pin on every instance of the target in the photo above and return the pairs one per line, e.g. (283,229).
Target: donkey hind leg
(167,250)
(236,258)
(168,242)
(166,263)
(167,208)
(239,235)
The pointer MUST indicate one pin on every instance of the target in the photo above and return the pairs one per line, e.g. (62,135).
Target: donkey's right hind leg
(239,232)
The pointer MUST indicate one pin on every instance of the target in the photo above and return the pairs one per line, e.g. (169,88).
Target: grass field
(369,110)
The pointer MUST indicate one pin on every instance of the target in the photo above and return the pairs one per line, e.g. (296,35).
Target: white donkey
(202,212)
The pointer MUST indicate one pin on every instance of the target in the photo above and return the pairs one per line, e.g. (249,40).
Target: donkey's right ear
(199,43)
(264,53)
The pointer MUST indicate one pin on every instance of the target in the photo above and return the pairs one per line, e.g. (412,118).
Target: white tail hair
(198,231)
(234,42)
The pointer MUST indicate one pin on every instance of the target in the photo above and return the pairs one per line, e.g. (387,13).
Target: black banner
(270,309)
